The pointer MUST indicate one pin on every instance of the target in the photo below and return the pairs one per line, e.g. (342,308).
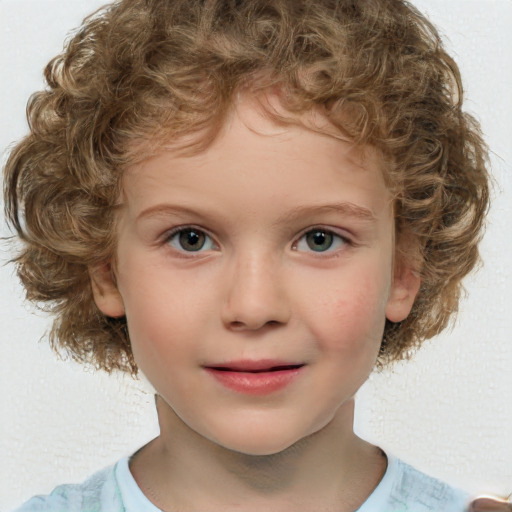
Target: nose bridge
(256,294)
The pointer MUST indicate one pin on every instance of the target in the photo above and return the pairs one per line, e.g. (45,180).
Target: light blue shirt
(402,489)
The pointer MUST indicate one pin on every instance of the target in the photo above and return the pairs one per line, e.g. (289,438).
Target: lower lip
(261,383)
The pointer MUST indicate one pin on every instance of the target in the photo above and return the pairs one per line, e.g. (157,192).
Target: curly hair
(140,72)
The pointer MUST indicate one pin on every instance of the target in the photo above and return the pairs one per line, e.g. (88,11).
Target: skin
(259,288)
(487,504)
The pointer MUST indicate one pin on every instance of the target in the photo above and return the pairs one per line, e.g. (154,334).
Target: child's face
(272,248)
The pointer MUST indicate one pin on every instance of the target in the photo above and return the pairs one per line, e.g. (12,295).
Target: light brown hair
(140,72)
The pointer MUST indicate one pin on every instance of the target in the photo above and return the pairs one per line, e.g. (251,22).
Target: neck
(331,469)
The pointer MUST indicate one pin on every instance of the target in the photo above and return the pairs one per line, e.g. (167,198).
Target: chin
(262,434)
(255,448)
(265,449)
(260,444)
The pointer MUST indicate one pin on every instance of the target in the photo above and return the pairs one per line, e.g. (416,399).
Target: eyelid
(338,232)
(342,234)
(169,234)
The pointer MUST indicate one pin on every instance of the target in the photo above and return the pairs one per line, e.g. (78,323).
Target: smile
(255,377)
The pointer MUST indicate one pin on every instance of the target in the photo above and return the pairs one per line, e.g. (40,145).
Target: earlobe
(404,288)
(105,292)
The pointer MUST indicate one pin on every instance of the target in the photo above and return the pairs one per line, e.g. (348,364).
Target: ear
(404,288)
(105,292)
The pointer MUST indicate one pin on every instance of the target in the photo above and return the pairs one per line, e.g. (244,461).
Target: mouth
(254,367)
(255,377)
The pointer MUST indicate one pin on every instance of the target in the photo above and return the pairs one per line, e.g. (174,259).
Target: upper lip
(262,365)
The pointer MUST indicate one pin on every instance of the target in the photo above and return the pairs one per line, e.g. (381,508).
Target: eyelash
(336,239)
(191,229)
(341,240)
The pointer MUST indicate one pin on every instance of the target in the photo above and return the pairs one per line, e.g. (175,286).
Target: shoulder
(426,492)
(98,493)
(405,489)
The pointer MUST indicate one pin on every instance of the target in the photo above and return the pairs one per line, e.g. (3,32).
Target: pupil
(192,240)
(319,240)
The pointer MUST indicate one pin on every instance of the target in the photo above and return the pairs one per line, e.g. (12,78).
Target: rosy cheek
(350,322)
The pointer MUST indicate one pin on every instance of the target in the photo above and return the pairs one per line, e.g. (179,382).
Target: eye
(320,240)
(190,240)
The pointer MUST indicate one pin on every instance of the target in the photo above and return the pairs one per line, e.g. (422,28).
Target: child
(253,204)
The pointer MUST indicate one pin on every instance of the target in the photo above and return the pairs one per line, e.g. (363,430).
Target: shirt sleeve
(99,493)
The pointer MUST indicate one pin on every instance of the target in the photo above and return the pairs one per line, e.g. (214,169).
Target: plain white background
(449,411)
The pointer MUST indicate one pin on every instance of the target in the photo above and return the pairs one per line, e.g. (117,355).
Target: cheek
(156,312)
(350,318)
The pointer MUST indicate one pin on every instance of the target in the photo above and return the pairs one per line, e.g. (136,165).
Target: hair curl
(140,71)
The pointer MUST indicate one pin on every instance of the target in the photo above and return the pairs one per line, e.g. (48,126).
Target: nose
(255,294)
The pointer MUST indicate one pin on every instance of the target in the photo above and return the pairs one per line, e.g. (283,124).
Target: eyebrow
(343,208)
(161,210)
(346,209)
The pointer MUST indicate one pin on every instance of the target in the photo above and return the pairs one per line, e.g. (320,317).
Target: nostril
(238,325)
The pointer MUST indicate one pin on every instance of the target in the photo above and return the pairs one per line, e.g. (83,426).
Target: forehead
(268,112)
(258,156)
